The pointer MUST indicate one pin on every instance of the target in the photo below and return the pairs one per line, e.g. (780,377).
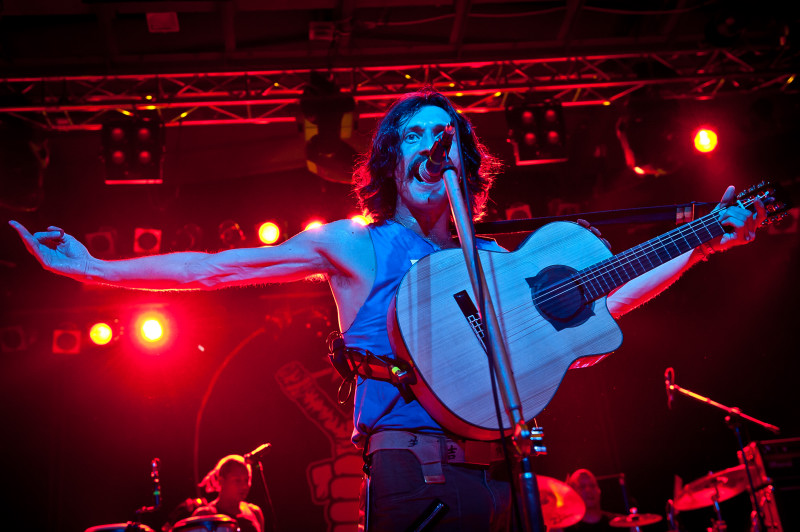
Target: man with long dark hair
(411,460)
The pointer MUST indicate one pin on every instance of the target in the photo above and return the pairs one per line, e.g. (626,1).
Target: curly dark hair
(375,187)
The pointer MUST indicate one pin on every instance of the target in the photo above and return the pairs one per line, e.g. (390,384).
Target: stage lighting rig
(536,131)
(329,117)
(133,150)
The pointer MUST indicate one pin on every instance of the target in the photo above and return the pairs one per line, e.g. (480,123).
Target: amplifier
(782,462)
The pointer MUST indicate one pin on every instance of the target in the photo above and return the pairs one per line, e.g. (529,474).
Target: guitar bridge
(470,312)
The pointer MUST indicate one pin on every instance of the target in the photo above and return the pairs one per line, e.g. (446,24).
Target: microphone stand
(733,420)
(272,518)
(533,519)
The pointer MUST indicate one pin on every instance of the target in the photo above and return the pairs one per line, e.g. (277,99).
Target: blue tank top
(379,405)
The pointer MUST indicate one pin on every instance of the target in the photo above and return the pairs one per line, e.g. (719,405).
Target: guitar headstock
(771,195)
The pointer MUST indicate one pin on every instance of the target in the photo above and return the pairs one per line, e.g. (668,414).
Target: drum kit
(563,507)
(202,523)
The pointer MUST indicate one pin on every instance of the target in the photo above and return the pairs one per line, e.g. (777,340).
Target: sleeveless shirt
(378,404)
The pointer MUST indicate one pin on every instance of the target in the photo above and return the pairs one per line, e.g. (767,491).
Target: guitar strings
(597,271)
(704,221)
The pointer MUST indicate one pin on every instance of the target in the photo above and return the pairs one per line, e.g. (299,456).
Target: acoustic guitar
(550,299)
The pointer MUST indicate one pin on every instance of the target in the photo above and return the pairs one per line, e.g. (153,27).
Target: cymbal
(561,505)
(632,520)
(719,486)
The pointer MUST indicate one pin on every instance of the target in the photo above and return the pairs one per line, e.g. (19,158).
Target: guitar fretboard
(601,278)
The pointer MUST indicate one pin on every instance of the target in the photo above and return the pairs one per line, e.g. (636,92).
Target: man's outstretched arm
(308,253)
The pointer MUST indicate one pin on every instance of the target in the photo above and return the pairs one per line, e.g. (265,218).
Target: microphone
(156,482)
(431,170)
(255,454)
(669,382)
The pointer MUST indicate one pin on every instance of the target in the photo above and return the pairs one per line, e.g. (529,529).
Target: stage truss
(70,103)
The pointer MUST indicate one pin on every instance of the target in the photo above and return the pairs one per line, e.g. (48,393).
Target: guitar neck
(602,278)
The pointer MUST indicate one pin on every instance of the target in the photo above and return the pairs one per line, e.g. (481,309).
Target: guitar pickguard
(560,300)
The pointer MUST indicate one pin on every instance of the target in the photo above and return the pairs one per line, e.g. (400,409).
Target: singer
(364,266)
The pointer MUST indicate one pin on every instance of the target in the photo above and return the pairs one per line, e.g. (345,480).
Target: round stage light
(101,333)
(705,140)
(269,233)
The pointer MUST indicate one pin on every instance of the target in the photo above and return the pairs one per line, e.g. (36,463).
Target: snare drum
(121,527)
(206,523)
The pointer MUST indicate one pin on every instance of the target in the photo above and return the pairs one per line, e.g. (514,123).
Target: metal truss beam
(272,96)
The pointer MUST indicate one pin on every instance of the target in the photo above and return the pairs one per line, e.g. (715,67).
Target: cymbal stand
(530,501)
(733,420)
(718,525)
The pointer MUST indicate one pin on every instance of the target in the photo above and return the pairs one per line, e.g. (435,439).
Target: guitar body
(431,330)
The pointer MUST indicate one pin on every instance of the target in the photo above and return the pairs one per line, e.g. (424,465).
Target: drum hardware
(713,487)
(207,523)
(137,526)
(634,520)
(255,457)
(561,505)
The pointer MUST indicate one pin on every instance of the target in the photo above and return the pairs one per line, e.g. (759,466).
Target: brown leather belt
(434,450)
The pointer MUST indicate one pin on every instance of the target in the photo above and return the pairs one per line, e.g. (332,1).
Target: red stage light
(312,224)
(153,329)
(705,140)
(527,118)
(530,139)
(638,170)
(66,341)
(101,333)
(118,157)
(117,134)
(269,233)
(360,219)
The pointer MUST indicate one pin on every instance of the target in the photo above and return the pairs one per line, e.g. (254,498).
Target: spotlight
(153,329)
(146,241)
(230,234)
(361,219)
(187,238)
(67,341)
(518,211)
(12,339)
(269,233)
(102,243)
(536,132)
(132,151)
(328,117)
(649,135)
(101,333)
(705,140)
(311,224)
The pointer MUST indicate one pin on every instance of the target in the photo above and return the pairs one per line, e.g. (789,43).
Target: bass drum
(121,527)
(207,523)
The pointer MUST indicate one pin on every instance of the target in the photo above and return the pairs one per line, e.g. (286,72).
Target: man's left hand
(740,223)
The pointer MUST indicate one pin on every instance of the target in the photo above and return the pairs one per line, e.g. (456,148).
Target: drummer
(595,519)
(231,479)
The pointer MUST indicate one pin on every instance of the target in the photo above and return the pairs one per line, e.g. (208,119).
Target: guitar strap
(352,362)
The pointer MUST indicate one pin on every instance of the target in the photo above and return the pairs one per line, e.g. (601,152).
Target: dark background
(81,429)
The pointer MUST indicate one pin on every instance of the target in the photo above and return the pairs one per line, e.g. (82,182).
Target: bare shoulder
(346,244)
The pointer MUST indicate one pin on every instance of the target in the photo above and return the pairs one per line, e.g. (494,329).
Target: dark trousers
(477,497)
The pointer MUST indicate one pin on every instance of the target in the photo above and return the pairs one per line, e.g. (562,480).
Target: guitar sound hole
(558,298)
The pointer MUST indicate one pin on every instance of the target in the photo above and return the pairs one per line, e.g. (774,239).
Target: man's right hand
(55,250)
